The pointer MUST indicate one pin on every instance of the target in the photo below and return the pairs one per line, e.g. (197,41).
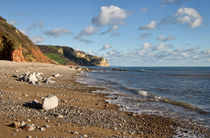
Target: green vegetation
(58,58)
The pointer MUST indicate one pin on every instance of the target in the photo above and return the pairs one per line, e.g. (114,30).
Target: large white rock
(32,78)
(50,102)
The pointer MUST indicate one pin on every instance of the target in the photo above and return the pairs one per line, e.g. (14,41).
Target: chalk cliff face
(69,56)
(15,46)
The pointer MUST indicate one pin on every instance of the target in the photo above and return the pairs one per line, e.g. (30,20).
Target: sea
(180,92)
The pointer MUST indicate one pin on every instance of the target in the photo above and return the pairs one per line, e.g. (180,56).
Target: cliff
(15,46)
(69,56)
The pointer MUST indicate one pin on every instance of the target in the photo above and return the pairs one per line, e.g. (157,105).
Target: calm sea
(182,92)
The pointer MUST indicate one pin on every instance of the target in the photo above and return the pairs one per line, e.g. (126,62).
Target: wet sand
(84,113)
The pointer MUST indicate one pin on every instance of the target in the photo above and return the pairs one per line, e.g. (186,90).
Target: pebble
(29,127)
(42,129)
(59,116)
(85,136)
(76,133)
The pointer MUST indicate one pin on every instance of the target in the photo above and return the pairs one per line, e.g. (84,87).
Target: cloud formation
(90,30)
(146,46)
(189,16)
(57,32)
(166,38)
(111,30)
(106,46)
(149,26)
(111,15)
(162,46)
(161,55)
(37,39)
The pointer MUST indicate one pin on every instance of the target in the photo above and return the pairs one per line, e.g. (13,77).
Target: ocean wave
(173,102)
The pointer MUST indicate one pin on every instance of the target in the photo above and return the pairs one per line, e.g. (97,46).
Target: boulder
(50,102)
(32,78)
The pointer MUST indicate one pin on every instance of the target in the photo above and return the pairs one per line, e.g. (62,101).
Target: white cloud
(165,57)
(146,46)
(111,15)
(106,46)
(189,16)
(90,30)
(166,38)
(162,46)
(149,26)
(112,29)
(86,41)
(57,32)
(143,10)
(37,39)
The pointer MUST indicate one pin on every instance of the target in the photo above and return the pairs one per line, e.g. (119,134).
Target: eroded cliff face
(96,61)
(15,46)
(69,56)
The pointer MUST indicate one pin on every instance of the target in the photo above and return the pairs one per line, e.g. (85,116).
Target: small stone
(56,75)
(29,127)
(26,95)
(35,101)
(59,116)
(28,120)
(133,114)
(76,133)
(46,126)
(85,136)
(115,128)
(48,80)
(16,124)
(29,137)
(22,123)
(17,130)
(42,129)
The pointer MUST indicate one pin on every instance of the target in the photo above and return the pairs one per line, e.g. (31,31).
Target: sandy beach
(82,112)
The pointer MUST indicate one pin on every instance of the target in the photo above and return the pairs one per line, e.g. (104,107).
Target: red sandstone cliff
(15,46)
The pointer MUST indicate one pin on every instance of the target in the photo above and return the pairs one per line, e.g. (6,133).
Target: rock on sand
(50,102)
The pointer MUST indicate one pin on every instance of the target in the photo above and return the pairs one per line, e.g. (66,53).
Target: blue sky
(125,32)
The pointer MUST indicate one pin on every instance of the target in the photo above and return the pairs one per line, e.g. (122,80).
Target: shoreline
(84,113)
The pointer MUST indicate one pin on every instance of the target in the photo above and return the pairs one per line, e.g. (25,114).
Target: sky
(125,32)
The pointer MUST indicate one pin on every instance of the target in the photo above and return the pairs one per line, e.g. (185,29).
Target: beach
(82,112)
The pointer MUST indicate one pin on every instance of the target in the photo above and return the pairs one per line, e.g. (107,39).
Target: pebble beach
(80,112)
